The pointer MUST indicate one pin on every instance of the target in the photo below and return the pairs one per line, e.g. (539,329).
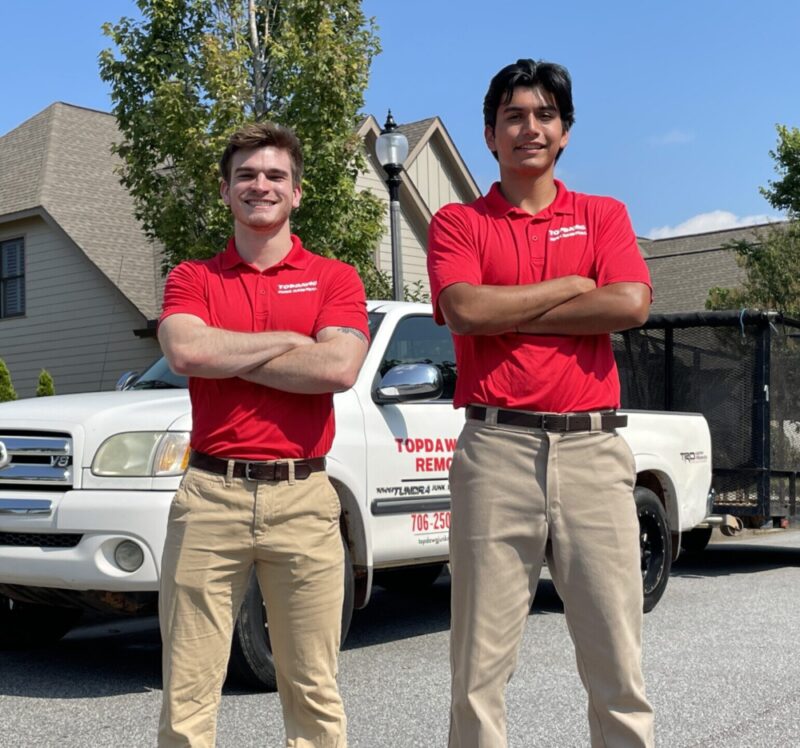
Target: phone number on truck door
(430,522)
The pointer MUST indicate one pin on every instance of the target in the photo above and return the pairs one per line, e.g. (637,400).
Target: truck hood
(100,414)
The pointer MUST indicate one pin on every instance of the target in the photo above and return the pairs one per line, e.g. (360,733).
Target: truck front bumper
(69,540)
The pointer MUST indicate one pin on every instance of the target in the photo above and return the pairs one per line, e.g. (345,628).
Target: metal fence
(741,370)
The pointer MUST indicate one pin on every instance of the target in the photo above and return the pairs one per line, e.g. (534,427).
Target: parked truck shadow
(735,557)
(393,616)
(111,657)
(104,658)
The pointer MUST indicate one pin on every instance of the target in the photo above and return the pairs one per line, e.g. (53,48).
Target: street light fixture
(391,148)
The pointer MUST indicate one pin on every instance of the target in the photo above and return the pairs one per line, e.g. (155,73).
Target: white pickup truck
(86,482)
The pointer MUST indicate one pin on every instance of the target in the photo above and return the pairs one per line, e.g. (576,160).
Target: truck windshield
(159,376)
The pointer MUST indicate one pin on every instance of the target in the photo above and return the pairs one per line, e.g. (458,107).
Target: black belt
(257,470)
(550,421)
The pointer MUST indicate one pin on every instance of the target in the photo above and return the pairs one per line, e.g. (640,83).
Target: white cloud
(716,220)
(673,137)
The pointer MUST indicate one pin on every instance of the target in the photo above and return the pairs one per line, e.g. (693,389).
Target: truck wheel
(251,663)
(25,625)
(655,543)
(696,540)
(409,579)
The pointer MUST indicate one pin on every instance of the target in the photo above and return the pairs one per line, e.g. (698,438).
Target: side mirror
(126,380)
(407,382)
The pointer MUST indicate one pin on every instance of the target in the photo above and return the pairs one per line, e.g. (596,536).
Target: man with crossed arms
(266,332)
(531,278)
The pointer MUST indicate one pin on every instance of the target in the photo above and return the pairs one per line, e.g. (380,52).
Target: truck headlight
(143,454)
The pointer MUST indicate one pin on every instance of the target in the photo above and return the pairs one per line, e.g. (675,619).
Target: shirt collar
(297,257)
(499,206)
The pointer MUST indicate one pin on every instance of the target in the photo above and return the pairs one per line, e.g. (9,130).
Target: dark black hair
(551,77)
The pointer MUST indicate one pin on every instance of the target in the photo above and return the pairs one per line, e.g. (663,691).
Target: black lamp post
(391,148)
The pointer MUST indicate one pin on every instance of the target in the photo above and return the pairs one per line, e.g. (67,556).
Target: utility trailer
(741,370)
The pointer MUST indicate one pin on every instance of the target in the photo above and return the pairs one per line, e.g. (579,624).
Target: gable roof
(684,268)
(59,165)
(419,134)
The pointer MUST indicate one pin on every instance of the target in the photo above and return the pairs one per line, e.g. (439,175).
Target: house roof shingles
(415,131)
(60,161)
(684,268)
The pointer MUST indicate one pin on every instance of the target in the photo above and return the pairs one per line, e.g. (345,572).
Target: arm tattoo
(352,331)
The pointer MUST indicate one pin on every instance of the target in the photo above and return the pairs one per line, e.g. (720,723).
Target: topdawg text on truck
(86,482)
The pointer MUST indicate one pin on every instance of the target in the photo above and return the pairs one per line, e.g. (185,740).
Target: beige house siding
(413,247)
(431,177)
(414,255)
(77,325)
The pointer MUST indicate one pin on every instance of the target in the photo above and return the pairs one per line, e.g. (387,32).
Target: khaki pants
(219,529)
(519,495)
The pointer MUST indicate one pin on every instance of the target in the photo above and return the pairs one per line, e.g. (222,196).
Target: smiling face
(528,133)
(261,193)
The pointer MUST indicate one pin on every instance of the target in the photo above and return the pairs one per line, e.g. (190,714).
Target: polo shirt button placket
(262,304)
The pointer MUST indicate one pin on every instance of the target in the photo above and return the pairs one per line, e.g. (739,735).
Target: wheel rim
(652,549)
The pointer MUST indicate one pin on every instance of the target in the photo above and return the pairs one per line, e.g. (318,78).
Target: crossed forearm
(306,370)
(195,349)
(493,310)
(618,306)
(330,365)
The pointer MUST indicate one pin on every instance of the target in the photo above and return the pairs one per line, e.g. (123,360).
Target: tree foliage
(7,391)
(784,193)
(772,273)
(772,261)
(46,386)
(191,71)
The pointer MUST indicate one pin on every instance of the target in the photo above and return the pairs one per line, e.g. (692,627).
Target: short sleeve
(185,292)
(617,255)
(452,253)
(345,303)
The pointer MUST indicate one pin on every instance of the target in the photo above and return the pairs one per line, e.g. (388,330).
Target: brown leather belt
(563,422)
(274,471)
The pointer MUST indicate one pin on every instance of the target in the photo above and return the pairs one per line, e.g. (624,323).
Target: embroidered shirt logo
(563,233)
(284,288)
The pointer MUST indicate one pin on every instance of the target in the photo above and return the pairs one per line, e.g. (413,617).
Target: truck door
(409,451)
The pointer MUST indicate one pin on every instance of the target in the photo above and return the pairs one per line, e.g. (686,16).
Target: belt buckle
(249,465)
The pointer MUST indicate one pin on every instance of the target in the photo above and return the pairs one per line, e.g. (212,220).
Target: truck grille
(31,460)
(40,539)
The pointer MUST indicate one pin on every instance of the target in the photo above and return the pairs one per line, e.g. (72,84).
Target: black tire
(655,543)
(23,625)
(410,578)
(695,541)
(251,665)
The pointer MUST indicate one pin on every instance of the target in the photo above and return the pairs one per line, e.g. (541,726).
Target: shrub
(45,386)
(7,391)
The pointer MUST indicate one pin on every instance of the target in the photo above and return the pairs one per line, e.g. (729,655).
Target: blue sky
(676,102)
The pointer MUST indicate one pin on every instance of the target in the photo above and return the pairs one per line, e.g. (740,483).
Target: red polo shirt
(303,293)
(492,242)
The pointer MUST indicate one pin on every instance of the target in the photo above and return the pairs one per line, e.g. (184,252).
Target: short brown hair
(260,135)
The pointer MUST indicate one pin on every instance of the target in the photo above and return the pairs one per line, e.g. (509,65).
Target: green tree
(784,193)
(771,261)
(46,385)
(7,391)
(191,71)
(772,272)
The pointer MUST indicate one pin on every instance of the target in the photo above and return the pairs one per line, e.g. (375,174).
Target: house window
(12,278)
